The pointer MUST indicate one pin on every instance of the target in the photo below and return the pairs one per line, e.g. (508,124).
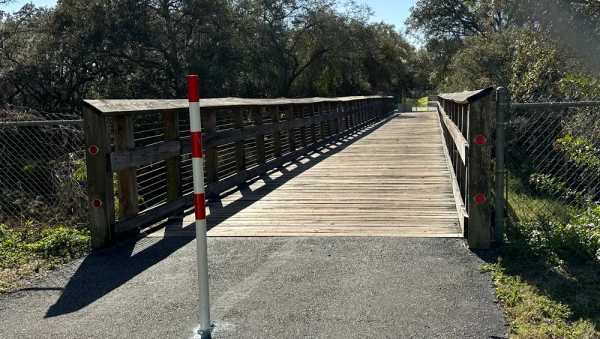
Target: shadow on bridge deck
(285,287)
(391,179)
(409,209)
(125,261)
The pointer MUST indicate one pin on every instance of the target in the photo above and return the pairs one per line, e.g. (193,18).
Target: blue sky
(389,11)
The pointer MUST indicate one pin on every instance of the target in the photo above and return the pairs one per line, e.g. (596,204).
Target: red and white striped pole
(199,204)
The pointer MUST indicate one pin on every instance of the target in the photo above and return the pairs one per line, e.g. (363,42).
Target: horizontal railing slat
(145,155)
(462,145)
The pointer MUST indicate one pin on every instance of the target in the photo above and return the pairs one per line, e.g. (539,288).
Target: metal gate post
(501,108)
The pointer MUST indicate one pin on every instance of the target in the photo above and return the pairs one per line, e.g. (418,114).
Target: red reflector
(479,198)
(97,203)
(480,140)
(94,150)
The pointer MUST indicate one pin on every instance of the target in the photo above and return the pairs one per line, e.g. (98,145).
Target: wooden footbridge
(293,167)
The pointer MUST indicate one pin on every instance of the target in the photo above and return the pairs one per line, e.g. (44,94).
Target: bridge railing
(138,151)
(466,121)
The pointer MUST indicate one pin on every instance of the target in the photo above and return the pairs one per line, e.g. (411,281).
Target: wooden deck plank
(391,181)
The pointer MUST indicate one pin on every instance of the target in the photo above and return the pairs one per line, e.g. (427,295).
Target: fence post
(99,180)
(172,165)
(479,173)
(501,107)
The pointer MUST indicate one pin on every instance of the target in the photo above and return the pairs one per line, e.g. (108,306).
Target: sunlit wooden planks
(392,180)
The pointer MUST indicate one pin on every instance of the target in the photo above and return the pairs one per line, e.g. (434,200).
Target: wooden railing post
(126,179)
(479,173)
(289,114)
(211,157)
(333,108)
(303,141)
(313,127)
(238,146)
(322,112)
(276,135)
(99,180)
(257,113)
(172,165)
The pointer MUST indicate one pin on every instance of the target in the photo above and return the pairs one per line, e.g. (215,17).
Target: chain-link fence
(552,160)
(42,171)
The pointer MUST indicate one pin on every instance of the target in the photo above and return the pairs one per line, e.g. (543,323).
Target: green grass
(524,205)
(547,275)
(29,250)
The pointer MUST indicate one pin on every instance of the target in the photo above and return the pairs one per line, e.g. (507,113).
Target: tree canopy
(536,48)
(50,59)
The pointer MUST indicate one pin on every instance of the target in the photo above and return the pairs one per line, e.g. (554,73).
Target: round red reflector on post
(479,198)
(480,140)
(97,203)
(94,150)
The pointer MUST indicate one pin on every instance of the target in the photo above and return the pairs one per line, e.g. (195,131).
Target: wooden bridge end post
(479,173)
(127,192)
(99,180)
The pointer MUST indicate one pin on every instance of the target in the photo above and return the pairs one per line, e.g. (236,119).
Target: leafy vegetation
(548,273)
(27,251)
(548,278)
(51,58)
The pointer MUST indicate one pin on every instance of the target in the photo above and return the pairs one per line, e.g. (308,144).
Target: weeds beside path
(29,251)
(548,278)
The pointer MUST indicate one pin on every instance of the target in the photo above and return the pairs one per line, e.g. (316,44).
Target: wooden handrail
(465,120)
(339,116)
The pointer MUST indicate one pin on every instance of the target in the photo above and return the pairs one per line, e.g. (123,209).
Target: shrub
(62,243)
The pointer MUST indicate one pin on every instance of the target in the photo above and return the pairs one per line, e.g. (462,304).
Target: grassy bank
(547,276)
(28,251)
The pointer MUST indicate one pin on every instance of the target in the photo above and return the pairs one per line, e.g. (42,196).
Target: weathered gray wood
(459,140)
(140,156)
(238,145)
(303,141)
(126,178)
(172,164)
(323,123)
(313,127)
(132,157)
(456,189)
(479,174)
(214,189)
(257,113)
(289,116)
(211,157)
(276,135)
(151,106)
(466,97)
(155,214)
(399,165)
(99,181)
